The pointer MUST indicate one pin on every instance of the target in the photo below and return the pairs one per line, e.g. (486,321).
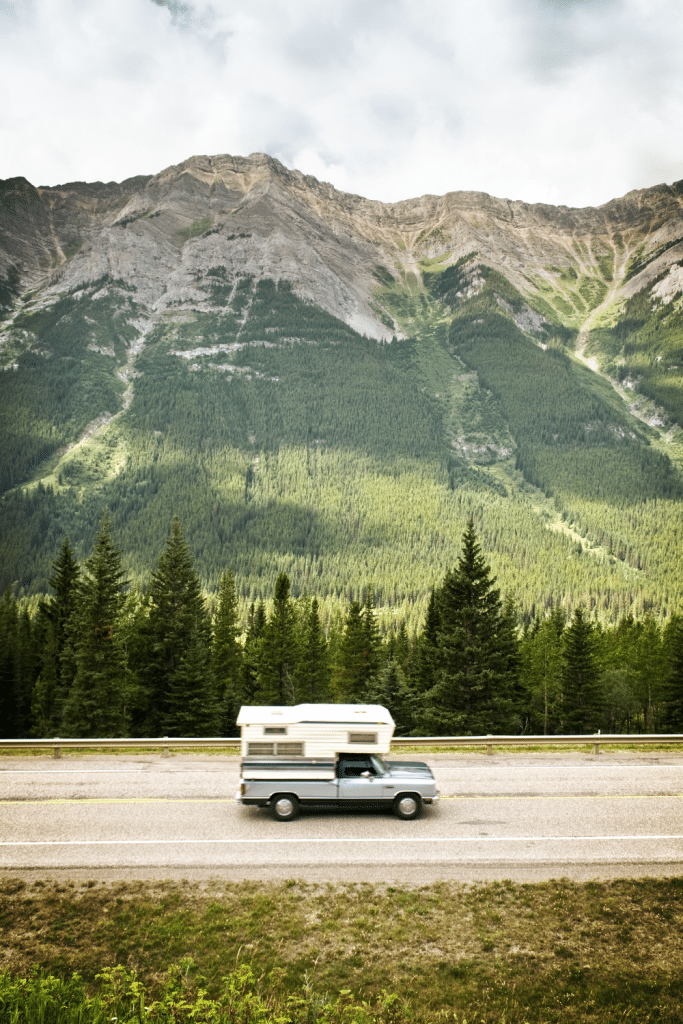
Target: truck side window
(353,767)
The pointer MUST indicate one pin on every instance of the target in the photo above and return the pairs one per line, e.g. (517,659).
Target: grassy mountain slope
(199,370)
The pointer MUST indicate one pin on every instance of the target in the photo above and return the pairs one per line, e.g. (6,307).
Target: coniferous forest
(99,658)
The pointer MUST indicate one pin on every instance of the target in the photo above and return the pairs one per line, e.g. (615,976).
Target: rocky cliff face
(252,216)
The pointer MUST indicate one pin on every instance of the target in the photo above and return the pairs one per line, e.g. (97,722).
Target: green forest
(285,442)
(100,658)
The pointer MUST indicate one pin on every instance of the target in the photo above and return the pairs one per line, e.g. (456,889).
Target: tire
(284,806)
(407,806)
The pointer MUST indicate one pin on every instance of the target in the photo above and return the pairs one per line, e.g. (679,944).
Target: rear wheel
(285,807)
(407,806)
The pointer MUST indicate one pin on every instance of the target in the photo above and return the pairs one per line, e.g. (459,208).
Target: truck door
(353,785)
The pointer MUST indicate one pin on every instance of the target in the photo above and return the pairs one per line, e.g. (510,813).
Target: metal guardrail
(166,743)
(595,739)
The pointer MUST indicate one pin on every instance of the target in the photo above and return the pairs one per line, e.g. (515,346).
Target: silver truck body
(348,779)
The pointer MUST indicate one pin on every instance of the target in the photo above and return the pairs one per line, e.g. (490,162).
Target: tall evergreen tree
(476,670)
(95,705)
(426,651)
(672,716)
(58,667)
(278,661)
(313,671)
(256,623)
(179,645)
(391,689)
(582,701)
(372,640)
(542,672)
(359,653)
(9,622)
(226,654)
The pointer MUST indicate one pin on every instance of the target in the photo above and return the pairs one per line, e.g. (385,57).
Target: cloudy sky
(560,101)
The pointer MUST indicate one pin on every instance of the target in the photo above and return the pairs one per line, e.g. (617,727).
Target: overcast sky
(562,101)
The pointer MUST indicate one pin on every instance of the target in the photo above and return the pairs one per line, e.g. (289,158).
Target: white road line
(320,842)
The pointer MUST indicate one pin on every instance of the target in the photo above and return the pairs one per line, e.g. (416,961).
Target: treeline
(99,658)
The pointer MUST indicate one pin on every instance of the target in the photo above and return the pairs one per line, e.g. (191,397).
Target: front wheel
(407,806)
(284,806)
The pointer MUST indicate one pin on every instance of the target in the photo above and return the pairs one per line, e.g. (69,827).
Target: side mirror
(366,775)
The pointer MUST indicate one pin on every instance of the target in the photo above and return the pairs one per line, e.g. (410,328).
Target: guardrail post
(56,751)
(596,748)
(489,746)
(167,749)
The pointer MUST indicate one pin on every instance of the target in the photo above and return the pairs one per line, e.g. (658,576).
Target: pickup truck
(361,779)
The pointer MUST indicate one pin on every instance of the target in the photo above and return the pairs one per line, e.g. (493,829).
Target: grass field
(557,951)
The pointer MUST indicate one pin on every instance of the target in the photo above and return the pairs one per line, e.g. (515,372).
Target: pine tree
(278,660)
(256,623)
(58,667)
(426,652)
(392,691)
(313,671)
(226,654)
(178,621)
(650,670)
(542,672)
(97,698)
(192,707)
(475,666)
(582,701)
(9,620)
(371,637)
(350,680)
(672,716)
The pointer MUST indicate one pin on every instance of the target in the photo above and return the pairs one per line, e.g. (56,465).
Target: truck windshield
(379,765)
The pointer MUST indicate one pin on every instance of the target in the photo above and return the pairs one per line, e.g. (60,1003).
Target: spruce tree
(426,653)
(278,655)
(256,623)
(58,667)
(475,664)
(372,639)
(9,621)
(672,712)
(192,707)
(178,621)
(582,701)
(542,653)
(95,705)
(650,671)
(226,654)
(391,689)
(313,672)
(350,678)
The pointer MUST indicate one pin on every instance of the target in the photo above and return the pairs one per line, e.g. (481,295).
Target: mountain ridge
(342,235)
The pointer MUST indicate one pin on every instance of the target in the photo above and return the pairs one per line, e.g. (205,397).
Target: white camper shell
(315,730)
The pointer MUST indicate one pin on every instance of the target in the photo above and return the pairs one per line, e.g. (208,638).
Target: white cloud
(566,101)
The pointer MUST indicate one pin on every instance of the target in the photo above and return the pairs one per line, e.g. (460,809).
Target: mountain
(331,385)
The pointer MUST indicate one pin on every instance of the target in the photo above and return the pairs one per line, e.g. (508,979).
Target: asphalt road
(525,817)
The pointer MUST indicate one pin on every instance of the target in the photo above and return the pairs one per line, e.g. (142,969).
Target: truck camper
(327,754)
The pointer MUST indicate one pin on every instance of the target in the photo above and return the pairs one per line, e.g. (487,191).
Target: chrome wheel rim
(407,805)
(284,807)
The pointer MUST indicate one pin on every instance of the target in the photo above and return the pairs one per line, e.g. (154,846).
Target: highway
(519,816)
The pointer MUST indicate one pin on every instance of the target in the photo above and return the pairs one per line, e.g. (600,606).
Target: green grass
(194,230)
(597,952)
